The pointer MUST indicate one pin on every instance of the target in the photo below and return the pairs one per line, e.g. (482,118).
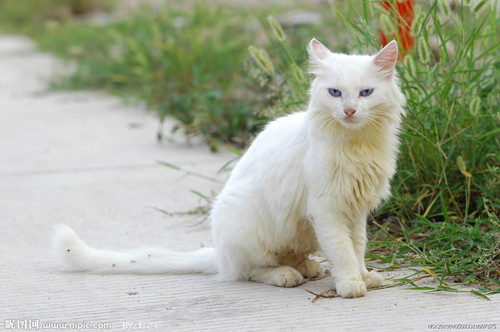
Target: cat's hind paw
(309,269)
(351,288)
(282,276)
(372,279)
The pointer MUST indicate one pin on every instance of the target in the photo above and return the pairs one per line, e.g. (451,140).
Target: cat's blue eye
(335,92)
(366,92)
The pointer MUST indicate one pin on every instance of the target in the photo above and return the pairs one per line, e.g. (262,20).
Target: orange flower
(404,13)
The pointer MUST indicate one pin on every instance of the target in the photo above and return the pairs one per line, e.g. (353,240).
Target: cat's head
(355,90)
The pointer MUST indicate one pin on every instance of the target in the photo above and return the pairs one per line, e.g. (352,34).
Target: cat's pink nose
(349,112)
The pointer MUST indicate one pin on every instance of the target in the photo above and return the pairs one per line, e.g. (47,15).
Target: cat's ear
(386,59)
(316,50)
(317,53)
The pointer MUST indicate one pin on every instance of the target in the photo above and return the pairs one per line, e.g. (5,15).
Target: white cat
(306,183)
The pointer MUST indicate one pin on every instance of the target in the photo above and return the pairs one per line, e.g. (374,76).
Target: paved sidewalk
(84,159)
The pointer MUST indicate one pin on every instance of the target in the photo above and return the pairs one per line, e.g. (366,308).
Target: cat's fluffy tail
(75,255)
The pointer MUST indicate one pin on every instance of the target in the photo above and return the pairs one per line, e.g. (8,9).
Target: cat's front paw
(372,279)
(351,288)
(309,269)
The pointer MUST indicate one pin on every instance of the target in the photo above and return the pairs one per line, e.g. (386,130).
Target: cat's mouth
(352,122)
(350,119)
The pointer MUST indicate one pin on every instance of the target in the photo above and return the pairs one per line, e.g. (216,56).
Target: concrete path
(86,160)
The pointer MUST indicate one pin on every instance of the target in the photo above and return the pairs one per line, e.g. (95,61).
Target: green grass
(187,63)
(30,16)
(467,253)
(195,64)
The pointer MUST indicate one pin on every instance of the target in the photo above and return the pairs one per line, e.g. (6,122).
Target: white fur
(75,255)
(306,183)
